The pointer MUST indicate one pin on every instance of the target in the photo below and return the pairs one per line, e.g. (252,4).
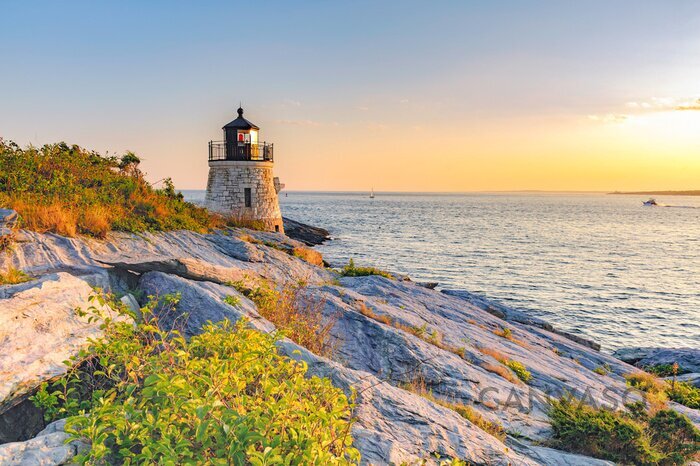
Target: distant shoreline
(661,193)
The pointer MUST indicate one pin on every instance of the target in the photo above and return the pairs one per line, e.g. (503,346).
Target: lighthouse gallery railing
(257,152)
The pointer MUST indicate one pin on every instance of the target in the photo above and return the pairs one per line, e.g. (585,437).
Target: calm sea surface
(598,265)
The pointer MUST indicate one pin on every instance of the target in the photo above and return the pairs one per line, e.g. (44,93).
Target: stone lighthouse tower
(240,182)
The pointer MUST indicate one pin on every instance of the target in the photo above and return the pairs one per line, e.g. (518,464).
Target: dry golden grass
(367,312)
(309,255)
(502,371)
(418,387)
(249,239)
(497,355)
(297,314)
(507,333)
(95,221)
(240,221)
(12,276)
(511,370)
(55,217)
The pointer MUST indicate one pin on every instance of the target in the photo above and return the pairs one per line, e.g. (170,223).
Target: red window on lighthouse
(241,137)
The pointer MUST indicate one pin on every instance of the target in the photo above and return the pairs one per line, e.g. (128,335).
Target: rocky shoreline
(388,333)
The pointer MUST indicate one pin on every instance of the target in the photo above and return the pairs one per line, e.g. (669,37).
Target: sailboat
(371,194)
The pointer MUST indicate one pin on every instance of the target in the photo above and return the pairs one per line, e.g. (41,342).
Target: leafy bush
(146,396)
(69,190)
(12,276)
(666,438)
(684,393)
(645,382)
(351,270)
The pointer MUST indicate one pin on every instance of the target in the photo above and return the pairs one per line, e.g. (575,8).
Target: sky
(398,96)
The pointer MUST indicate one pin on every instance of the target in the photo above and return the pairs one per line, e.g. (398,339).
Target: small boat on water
(651,202)
(371,194)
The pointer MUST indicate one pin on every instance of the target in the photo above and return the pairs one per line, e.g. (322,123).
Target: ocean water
(601,266)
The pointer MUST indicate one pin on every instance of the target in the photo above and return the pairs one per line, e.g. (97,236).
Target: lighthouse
(241,184)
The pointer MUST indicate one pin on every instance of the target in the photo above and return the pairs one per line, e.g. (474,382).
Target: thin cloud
(664,104)
(691,106)
(609,118)
(292,103)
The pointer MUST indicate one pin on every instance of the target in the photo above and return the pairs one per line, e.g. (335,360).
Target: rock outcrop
(8,221)
(687,358)
(391,336)
(307,234)
(51,447)
(40,328)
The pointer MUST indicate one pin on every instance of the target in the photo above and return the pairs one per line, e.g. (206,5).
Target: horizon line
(502,191)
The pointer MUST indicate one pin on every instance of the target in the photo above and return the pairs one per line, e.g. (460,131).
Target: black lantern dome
(240,122)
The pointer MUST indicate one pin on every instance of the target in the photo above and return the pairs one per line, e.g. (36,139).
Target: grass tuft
(605,369)
(517,368)
(309,255)
(351,270)
(13,276)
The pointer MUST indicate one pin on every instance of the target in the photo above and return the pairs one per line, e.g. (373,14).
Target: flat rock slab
(200,303)
(39,329)
(513,315)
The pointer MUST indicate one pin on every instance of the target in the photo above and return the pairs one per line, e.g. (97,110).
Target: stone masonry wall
(226,192)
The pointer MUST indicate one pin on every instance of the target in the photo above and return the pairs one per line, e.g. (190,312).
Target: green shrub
(684,393)
(69,190)
(232,300)
(351,270)
(665,370)
(519,369)
(666,438)
(145,396)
